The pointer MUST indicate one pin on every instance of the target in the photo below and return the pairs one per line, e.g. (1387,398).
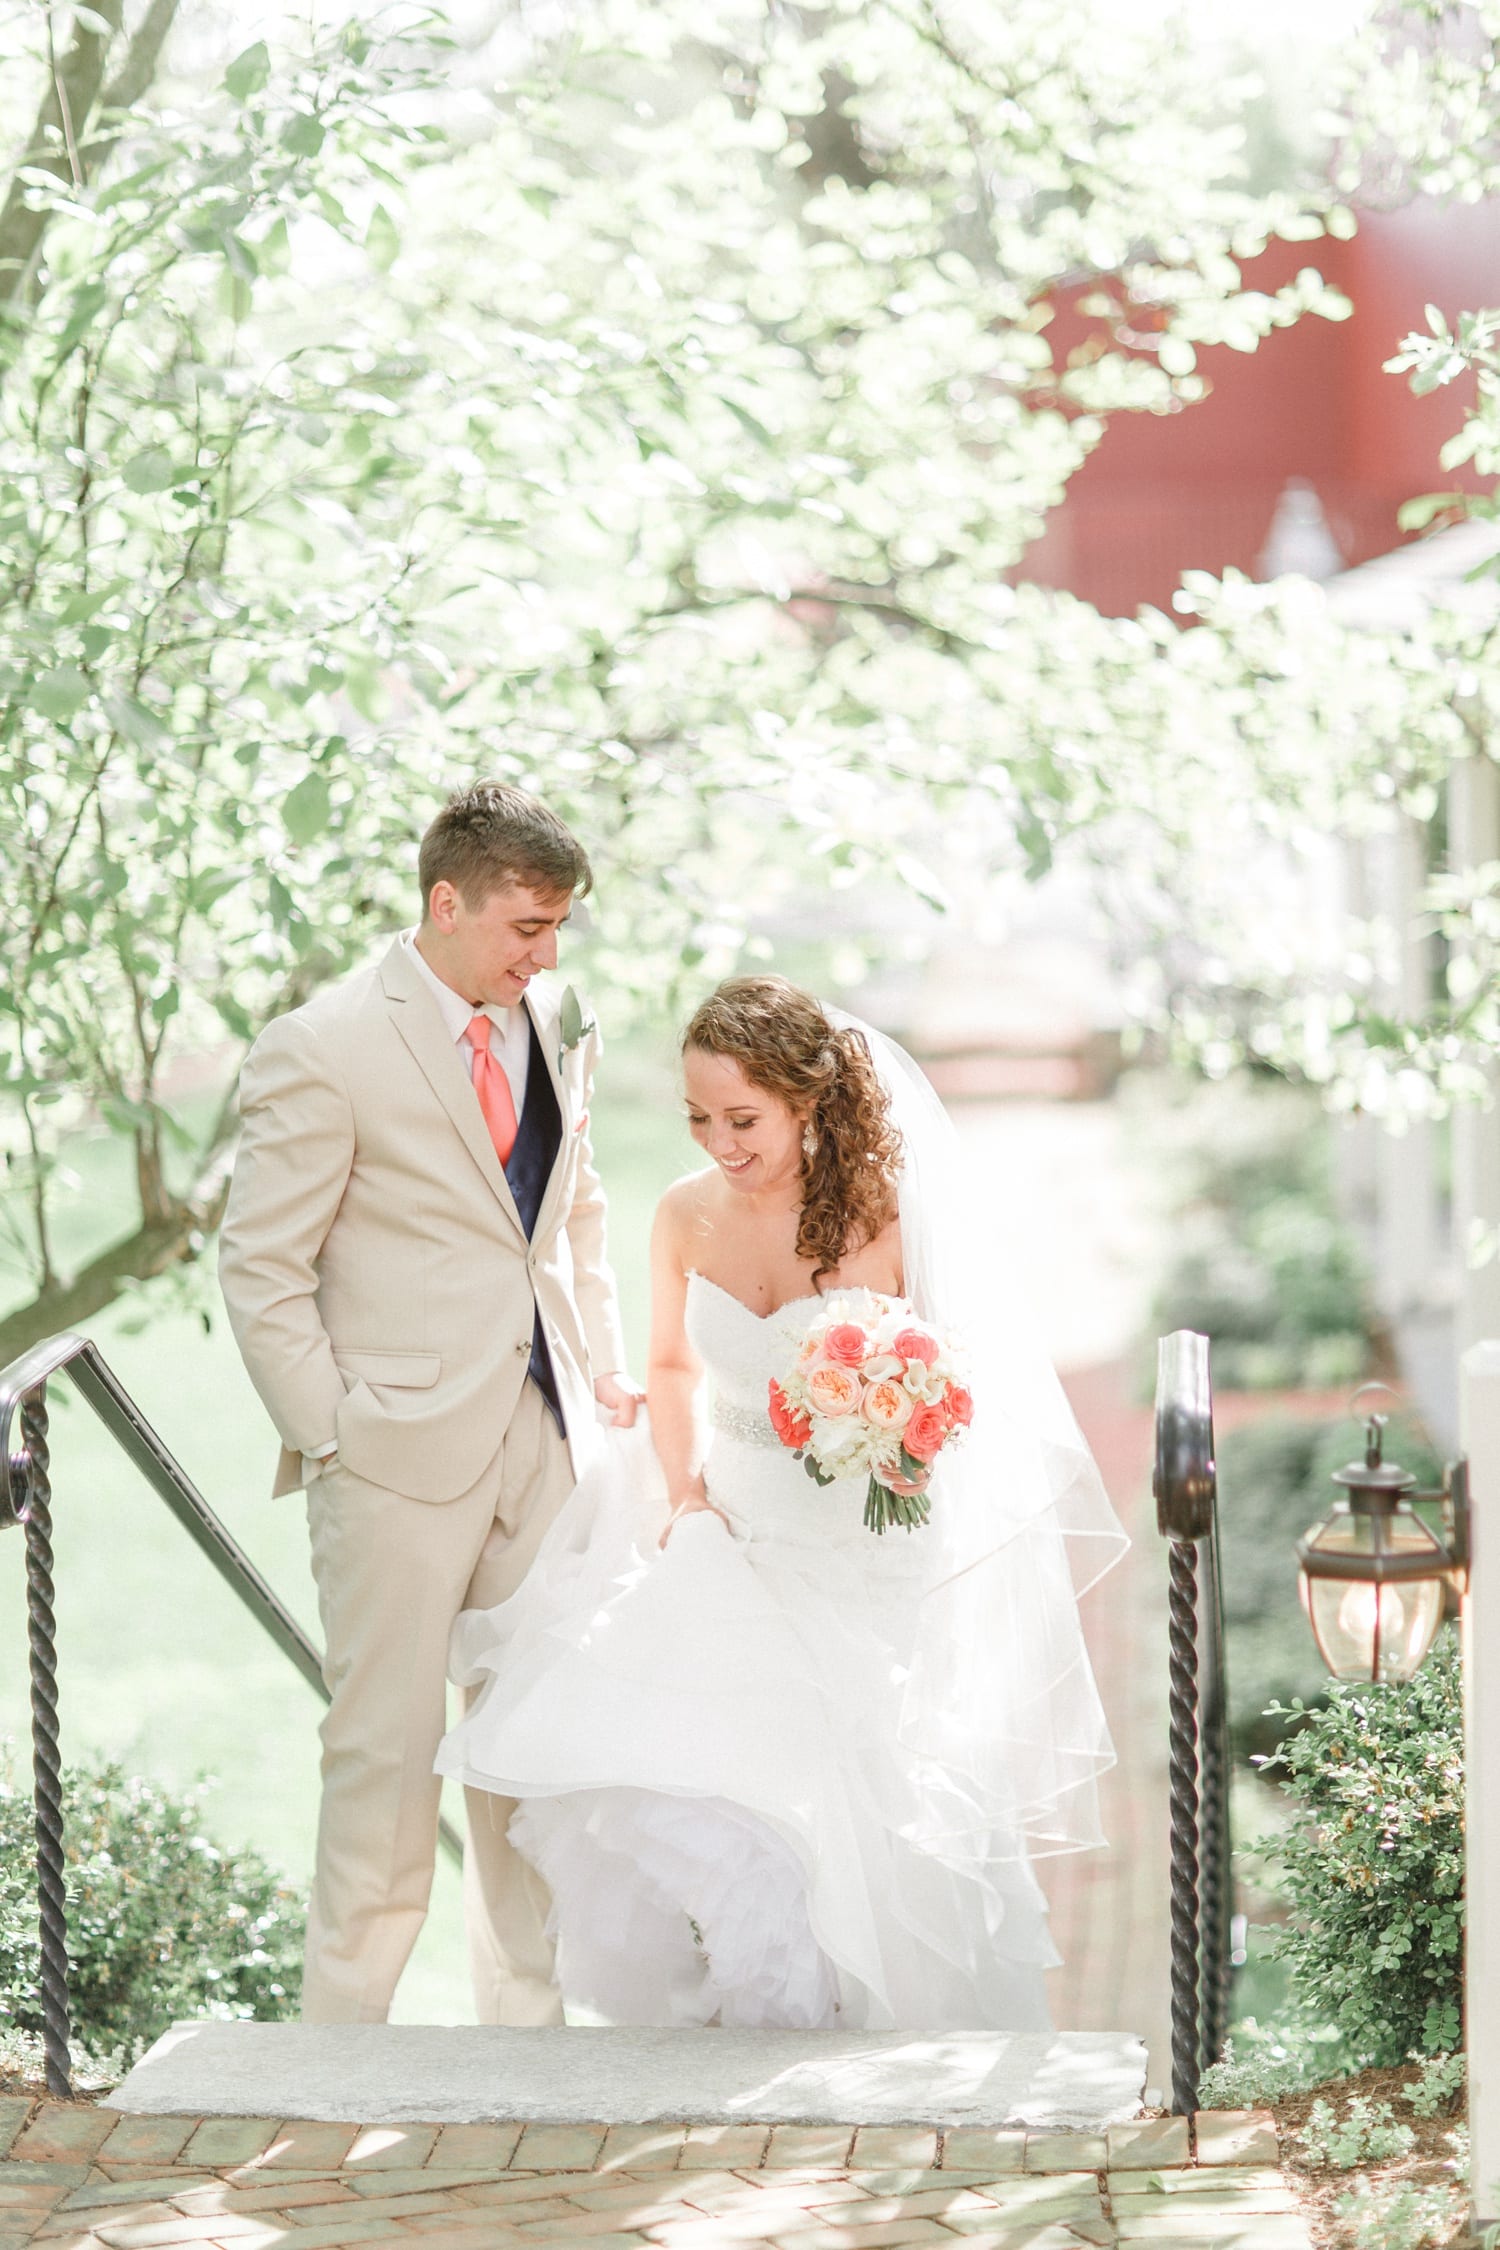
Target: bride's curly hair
(784,1044)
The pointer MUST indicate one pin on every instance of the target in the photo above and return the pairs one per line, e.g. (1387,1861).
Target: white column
(1411,1256)
(1480,1420)
(1474,821)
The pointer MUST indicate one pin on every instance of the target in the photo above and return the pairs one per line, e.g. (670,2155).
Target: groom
(414,1265)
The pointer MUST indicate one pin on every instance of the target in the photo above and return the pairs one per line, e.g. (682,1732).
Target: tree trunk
(150,1251)
(81,72)
(142,56)
(75,84)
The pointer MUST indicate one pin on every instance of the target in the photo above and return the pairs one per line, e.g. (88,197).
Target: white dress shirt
(510,1028)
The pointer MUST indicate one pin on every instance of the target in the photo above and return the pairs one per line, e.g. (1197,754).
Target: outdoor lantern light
(1374,1577)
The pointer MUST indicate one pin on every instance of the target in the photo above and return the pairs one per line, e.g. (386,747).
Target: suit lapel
(420,1024)
(543,1007)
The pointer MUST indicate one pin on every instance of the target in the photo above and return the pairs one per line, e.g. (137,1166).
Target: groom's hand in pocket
(620,1398)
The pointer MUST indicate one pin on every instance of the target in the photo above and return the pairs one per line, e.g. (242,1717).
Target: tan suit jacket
(377,1275)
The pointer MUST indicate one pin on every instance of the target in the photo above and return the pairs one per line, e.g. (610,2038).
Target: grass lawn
(158,1663)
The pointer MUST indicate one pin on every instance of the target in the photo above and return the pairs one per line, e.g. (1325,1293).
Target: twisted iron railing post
(1182,1792)
(1216,1902)
(1185,1484)
(46,1760)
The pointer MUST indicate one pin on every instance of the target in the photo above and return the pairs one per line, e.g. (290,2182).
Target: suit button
(524,1346)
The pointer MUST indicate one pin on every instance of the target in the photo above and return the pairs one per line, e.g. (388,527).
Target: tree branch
(150,1251)
(872,602)
(139,67)
(131,81)
(72,91)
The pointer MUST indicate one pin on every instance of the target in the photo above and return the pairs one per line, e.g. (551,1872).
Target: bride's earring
(809,1139)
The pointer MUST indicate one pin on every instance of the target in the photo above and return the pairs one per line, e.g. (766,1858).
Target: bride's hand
(694,1502)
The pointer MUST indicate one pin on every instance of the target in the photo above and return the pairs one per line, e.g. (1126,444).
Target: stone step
(1078,2081)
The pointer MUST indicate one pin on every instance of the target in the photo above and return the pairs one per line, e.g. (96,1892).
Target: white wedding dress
(708,1749)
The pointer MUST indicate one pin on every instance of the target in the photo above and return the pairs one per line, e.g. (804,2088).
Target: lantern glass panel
(1366,1630)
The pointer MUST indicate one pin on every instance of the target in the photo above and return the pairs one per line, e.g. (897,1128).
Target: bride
(777,1770)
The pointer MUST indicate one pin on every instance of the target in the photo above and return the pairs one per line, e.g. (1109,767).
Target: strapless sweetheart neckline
(810,1298)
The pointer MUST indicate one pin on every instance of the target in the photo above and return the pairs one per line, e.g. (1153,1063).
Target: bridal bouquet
(873,1391)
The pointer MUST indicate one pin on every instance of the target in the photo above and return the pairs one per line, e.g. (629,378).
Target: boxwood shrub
(1373,1868)
(162,1921)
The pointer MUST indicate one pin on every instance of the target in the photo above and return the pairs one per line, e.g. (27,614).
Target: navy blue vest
(528,1169)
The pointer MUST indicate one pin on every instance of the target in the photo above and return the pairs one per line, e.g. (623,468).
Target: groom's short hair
(490,835)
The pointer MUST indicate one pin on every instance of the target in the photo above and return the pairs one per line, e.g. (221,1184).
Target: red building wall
(1196,489)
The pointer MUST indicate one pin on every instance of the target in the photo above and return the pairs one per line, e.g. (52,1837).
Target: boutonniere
(573,1023)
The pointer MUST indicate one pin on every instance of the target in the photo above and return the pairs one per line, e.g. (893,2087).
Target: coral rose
(846,1344)
(915,1343)
(833,1390)
(924,1433)
(792,1428)
(958,1404)
(887,1405)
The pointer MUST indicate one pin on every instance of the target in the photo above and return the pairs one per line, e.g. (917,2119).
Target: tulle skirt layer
(705,1743)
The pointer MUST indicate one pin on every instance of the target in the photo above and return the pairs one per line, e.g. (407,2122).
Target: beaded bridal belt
(751,1426)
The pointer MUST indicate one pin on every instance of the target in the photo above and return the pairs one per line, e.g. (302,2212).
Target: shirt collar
(456,1013)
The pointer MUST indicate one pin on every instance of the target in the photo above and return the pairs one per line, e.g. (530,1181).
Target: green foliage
(1306,694)
(1365,2132)
(1382,2215)
(1373,1869)
(1439,2083)
(1281,1295)
(658,433)
(1416,111)
(1274,1484)
(1262,1263)
(1263,2062)
(162,1923)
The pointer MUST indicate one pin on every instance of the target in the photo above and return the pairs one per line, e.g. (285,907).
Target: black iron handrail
(26,1499)
(1185,1483)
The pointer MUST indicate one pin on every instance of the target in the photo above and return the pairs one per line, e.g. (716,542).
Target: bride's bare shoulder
(878,1263)
(683,1209)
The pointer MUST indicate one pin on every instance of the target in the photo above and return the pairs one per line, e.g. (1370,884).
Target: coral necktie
(493,1088)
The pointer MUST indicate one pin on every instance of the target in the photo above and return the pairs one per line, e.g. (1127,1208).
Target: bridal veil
(1000,1706)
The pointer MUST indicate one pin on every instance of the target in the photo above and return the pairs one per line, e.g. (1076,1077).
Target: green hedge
(162,1922)
(1262,1263)
(1373,1869)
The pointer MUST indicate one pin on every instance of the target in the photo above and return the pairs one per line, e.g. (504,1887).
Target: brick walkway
(74,2178)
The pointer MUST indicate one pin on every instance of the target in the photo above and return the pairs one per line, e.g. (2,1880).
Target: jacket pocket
(407,1371)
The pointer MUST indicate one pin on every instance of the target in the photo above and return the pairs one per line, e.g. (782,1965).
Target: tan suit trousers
(392,1574)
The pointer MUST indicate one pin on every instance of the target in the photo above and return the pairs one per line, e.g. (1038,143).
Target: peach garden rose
(832,1390)
(887,1405)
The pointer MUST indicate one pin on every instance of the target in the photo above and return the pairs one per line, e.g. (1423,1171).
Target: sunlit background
(1095,750)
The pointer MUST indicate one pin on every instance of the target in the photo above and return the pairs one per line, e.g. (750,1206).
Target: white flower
(841,1447)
